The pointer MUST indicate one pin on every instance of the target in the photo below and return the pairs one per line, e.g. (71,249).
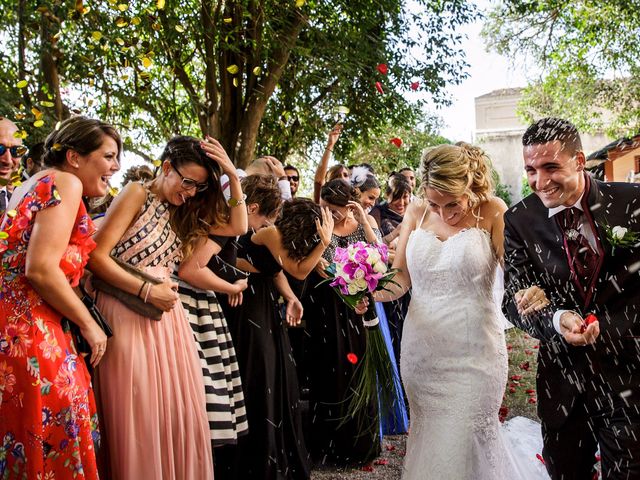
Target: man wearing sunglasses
(11,152)
(294,178)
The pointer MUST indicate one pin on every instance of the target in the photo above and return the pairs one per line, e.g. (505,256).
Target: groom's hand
(572,327)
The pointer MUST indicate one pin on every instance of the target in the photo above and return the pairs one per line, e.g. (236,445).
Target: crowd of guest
(210,343)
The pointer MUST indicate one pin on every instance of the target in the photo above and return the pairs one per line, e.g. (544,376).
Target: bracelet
(141,288)
(330,149)
(146,296)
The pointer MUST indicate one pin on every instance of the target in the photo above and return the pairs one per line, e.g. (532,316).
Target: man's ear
(581,161)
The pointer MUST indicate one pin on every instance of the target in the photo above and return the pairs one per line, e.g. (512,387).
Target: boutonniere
(622,237)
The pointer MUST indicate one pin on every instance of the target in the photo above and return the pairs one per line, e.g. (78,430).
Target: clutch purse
(225,270)
(130,300)
(68,326)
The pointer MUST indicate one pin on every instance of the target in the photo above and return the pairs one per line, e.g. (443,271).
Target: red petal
(396,141)
(590,319)
(525,366)
(367,468)
(512,389)
(516,377)
(532,400)
(539,457)
(415,86)
(530,391)
(379,88)
(382,461)
(390,448)
(382,68)
(352,358)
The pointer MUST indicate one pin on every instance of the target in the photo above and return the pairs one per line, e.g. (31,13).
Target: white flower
(359,273)
(374,256)
(361,284)
(353,288)
(618,232)
(380,267)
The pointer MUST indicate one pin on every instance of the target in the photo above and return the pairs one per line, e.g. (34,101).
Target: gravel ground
(387,466)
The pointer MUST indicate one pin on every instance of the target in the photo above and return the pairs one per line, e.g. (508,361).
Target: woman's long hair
(193,219)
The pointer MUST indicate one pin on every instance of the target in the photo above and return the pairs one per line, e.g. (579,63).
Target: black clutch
(225,270)
(82,346)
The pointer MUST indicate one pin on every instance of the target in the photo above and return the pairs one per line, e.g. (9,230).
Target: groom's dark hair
(550,129)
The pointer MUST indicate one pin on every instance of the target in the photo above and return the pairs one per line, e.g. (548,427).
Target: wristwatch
(234,202)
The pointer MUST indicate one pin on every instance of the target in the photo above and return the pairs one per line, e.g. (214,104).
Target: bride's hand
(530,300)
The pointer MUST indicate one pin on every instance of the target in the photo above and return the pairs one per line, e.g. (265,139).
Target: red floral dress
(48,419)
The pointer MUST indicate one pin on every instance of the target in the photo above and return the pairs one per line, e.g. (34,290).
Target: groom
(588,380)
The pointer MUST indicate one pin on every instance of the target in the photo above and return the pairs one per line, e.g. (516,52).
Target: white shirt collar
(556,210)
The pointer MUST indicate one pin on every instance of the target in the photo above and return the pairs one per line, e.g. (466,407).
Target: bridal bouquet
(356,272)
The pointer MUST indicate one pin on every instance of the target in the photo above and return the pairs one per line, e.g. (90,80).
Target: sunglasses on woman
(189,183)
(16,151)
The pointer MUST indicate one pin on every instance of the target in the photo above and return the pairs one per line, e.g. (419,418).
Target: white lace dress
(454,363)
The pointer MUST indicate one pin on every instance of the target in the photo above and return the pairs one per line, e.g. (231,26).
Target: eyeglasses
(16,151)
(190,183)
(293,178)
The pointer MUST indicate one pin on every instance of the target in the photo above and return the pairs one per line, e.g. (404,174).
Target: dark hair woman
(49,420)
(151,384)
(335,331)
(274,447)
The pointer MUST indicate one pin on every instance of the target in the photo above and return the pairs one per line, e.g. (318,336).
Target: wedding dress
(454,366)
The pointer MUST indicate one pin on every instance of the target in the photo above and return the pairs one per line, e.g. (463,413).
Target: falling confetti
(396,141)
(379,88)
(22,84)
(415,86)
(233,69)
(352,358)
(382,68)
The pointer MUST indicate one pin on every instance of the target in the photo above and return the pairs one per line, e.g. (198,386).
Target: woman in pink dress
(150,386)
(48,419)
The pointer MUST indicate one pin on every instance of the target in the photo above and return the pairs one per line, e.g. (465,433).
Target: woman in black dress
(335,332)
(389,216)
(274,447)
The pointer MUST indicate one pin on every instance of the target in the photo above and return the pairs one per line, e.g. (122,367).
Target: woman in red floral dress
(48,420)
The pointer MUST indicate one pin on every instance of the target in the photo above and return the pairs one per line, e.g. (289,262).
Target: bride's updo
(460,169)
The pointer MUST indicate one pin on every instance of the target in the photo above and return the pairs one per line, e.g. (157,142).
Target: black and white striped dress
(223,387)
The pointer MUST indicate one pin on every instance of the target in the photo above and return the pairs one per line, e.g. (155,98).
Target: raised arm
(49,239)
(122,212)
(194,270)
(323,166)
(272,239)
(238,221)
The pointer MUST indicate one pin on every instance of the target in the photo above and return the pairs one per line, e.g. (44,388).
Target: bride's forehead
(441,198)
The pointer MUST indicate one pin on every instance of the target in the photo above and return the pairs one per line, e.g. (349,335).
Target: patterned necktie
(582,259)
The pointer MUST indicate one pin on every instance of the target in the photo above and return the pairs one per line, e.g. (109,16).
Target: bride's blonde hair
(460,169)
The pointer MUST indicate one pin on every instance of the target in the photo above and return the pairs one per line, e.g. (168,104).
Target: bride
(453,353)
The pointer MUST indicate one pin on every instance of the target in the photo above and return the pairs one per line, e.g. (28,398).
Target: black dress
(335,331)
(274,448)
(396,311)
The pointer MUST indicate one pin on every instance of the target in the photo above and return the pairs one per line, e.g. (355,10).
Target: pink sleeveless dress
(149,383)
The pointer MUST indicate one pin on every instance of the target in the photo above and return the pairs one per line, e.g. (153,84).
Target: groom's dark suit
(595,387)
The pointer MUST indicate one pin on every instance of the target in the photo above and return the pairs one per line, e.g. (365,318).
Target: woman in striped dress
(197,284)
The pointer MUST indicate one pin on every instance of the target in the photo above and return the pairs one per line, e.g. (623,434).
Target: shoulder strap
(424,215)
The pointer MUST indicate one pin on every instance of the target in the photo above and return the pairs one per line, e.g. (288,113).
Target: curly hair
(193,219)
(338,192)
(264,191)
(335,172)
(297,226)
(460,169)
(80,134)
(137,173)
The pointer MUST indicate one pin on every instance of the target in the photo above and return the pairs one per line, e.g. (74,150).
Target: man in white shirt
(559,238)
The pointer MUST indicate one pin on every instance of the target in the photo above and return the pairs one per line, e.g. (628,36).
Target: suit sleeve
(520,274)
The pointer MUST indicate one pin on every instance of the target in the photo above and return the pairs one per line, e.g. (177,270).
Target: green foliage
(589,53)
(501,189)
(386,157)
(263,76)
